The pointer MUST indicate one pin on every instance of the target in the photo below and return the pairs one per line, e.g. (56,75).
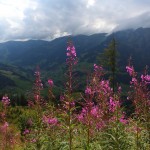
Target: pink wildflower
(134,81)
(4,127)
(33,140)
(145,78)
(62,97)
(100,125)
(38,83)
(50,82)
(84,110)
(123,120)
(26,131)
(130,70)
(5,101)
(97,68)
(72,104)
(119,89)
(88,91)
(71,54)
(113,104)
(50,121)
(88,111)
(94,111)
(30,103)
(142,77)
(136,129)
(80,117)
(71,51)
(105,86)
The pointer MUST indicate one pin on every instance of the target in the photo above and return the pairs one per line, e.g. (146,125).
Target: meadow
(96,119)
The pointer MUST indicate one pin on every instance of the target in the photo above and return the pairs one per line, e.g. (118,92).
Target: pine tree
(109,59)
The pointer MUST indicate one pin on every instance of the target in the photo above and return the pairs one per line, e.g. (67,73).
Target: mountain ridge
(51,55)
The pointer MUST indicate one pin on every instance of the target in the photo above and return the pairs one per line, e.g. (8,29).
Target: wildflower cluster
(140,95)
(49,121)
(94,119)
(8,138)
(50,82)
(5,101)
(71,54)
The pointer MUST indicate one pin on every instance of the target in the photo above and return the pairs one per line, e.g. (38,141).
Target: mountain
(18,59)
(31,53)
(134,43)
(14,78)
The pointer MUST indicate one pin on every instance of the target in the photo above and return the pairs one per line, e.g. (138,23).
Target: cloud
(142,20)
(48,19)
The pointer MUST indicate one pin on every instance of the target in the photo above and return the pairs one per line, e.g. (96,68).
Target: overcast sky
(48,19)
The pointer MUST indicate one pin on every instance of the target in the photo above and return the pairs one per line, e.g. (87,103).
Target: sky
(49,19)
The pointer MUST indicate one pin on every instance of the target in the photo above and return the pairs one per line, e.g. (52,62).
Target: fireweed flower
(119,89)
(68,102)
(62,98)
(113,104)
(105,87)
(50,82)
(52,121)
(134,81)
(91,115)
(5,101)
(82,117)
(90,110)
(4,127)
(71,54)
(98,68)
(38,86)
(140,94)
(68,105)
(98,72)
(71,51)
(72,104)
(97,90)
(88,91)
(123,120)
(30,103)
(50,91)
(101,124)
(130,70)
(94,111)
(33,140)
(26,131)
(145,78)
(49,120)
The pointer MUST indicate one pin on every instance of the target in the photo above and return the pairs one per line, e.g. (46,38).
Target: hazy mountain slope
(134,43)
(22,57)
(14,78)
(31,53)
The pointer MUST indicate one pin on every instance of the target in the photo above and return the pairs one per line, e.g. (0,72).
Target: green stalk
(70,130)
(70,91)
(88,132)
(137,138)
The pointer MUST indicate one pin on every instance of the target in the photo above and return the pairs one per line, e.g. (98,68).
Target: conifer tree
(109,59)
